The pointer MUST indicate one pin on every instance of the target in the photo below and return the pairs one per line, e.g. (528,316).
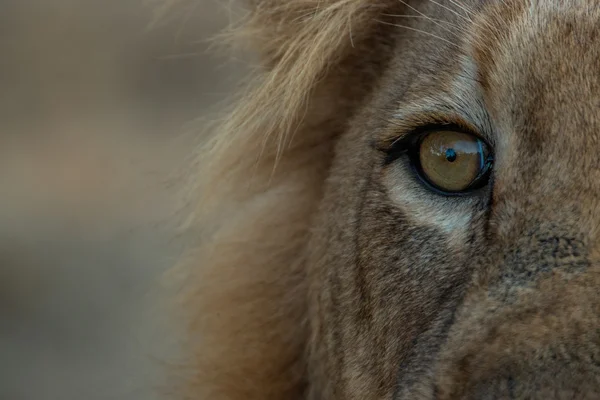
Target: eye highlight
(450,161)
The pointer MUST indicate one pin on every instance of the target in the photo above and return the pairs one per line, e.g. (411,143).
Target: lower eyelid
(405,169)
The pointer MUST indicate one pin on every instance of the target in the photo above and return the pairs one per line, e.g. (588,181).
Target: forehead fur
(515,41)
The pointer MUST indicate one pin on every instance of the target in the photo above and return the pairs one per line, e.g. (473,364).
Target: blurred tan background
(93,106)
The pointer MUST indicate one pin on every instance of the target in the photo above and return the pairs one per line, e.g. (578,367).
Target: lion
(403,203)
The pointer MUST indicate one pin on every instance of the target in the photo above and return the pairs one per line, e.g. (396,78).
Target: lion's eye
(452,162)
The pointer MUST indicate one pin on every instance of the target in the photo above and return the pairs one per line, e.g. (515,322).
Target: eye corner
(393,151)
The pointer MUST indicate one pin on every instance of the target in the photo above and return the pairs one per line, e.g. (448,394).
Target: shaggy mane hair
(260,176)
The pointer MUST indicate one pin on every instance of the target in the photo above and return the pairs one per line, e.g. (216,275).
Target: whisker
(424,15)
(420,31)
(350,30)
(457,29)
(470,13)
(452,11)
(462,7)
(486,27)
(420,16)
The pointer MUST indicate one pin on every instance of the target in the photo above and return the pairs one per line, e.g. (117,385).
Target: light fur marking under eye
(452,216)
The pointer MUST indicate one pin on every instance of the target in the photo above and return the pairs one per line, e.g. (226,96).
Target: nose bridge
(554,163)
(549,202)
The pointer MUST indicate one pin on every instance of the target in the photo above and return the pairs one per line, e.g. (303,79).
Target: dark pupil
(451,155)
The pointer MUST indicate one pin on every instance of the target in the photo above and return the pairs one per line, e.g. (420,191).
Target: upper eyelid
(412,127)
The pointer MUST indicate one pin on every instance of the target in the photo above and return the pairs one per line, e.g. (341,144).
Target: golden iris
(453,161)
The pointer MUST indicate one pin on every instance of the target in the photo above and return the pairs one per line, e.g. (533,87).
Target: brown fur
(325,273)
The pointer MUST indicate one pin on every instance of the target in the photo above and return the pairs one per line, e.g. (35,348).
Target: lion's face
(405,204)
(456,249)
